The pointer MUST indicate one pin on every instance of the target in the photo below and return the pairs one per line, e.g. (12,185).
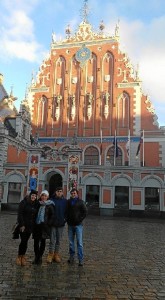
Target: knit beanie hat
(33,192)
(45,192)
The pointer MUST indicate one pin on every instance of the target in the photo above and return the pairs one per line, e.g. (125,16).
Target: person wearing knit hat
(33,192)
(27,212)
(45,192)
(44,220)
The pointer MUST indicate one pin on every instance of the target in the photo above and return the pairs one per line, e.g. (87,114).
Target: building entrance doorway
(54,182)
(92,198)
(122,197)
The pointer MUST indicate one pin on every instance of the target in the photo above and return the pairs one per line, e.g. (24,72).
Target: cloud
(17,33)
(21,50)
(145,44)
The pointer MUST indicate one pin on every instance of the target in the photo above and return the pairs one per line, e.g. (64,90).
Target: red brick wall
(14,157)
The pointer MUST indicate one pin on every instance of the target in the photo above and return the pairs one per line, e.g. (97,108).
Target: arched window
(91,156)
(117,161)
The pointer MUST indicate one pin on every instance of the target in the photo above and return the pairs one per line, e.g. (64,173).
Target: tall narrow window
(123,111)
(110,157)
(91,156)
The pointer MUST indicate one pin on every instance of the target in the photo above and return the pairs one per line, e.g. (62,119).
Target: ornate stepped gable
(80,49)
(80,44)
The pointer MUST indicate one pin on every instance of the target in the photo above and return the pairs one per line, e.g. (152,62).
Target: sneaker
(50,258)
(80,264)
(71,260)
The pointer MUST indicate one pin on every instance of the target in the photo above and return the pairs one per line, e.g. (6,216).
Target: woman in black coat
(27,212)
(44,220)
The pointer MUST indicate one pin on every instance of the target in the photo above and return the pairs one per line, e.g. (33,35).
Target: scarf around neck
(41,213)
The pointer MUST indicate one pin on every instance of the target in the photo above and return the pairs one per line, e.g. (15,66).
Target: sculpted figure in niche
(90,98)
(107,97)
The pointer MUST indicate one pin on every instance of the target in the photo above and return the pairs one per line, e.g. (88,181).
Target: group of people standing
(45,218)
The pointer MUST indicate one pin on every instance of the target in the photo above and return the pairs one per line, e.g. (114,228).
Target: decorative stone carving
(73,108)
(136,176)
(151,109)
(84,32)
(90,79)
(53,37)
(107,77)
(59,81)
(117,28)
(74,80)
(148,101)
(155,117)
(89,106)
(107,176)
(106,106)
(57,111)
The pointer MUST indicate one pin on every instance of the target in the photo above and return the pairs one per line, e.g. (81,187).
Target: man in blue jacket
(76,213)
(58,226)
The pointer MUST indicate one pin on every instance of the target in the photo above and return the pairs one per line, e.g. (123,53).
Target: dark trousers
(24,242)
(39,246)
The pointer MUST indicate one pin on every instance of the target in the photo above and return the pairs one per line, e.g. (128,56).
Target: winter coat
(27,212)
(76,211)
(42,230)
(60,211)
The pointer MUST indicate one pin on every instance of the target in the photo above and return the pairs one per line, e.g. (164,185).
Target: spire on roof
(117,28)
(84,11)
(11,91)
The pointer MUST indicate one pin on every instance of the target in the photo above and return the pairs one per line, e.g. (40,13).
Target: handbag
(15,231)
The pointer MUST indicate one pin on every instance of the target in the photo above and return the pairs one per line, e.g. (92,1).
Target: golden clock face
(83,54)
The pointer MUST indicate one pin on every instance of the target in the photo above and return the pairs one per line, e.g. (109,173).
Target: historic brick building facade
(92,127)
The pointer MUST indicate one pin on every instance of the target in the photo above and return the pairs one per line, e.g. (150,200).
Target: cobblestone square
(124,259)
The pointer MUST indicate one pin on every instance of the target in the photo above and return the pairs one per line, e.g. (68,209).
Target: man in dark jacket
(76,213)
(57,226)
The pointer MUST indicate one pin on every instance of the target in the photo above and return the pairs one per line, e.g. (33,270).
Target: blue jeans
(76,231)
(55,238)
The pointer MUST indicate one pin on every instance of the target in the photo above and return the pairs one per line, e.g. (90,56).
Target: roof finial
(11,91)
(84,11)
(117,28)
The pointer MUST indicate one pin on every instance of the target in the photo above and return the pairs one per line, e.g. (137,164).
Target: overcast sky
(27,25)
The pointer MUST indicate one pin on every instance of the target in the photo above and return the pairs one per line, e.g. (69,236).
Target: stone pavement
(124,259)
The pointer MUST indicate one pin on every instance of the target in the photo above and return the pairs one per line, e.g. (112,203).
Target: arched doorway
(54,182)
